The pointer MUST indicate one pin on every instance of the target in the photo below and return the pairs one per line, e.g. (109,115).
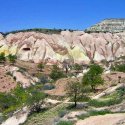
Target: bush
(77,67)
(9,102)
(56,73)
(9,73)
(120,68)
(65,123)
(43,79)
(48,86)
(11,58)
(40,66)
(2,57)
(62,113)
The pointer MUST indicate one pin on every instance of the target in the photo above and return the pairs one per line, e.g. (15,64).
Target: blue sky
(65,14)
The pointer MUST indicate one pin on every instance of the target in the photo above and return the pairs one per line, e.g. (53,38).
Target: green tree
(56,73)
(2,57)
(35,100)
(74,91)
(93,76)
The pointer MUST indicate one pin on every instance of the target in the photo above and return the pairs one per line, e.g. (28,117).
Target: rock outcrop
(76,46)
(108,25)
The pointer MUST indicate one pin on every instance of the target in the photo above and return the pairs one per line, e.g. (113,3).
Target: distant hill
(108,25)
(41,30)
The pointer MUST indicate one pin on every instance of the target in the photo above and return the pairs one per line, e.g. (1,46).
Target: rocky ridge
(109,25)
(76,46)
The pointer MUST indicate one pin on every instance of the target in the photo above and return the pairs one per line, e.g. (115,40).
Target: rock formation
(108,25)
(76,46)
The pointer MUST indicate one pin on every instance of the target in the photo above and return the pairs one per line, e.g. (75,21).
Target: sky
(59,14)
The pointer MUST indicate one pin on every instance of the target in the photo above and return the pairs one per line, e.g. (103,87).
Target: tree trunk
(75,100)
(93,88)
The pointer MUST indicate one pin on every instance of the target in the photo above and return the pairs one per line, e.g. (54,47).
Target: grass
(65,123)
(108,100)
(102,103)
(94,113)
(45,118)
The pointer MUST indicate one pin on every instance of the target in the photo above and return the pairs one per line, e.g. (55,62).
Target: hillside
(76,46)
(56,77)
(108,25)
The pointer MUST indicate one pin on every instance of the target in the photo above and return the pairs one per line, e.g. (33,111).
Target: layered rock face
(109,25)
(76,46)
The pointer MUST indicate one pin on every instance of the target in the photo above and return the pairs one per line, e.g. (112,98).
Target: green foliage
(93,76)
(45,118)
(74,91)
(108,102)
(40,66)
(94,113)
(2,57)
(56,73)
(19,97)
(48,86)
(35,96)
(114,98)
(120,68)
(65,123)
(11,58)
(77,67)
(96,69)
(6,101)
(62,113)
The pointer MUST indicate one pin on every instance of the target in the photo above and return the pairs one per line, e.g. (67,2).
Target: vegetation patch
(65,123)
(46,118)
(94,113)
(108,100)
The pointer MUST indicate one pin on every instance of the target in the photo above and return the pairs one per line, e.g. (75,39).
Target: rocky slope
(108,25)
(76,46)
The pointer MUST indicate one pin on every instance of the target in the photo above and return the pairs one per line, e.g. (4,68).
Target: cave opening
(26,49)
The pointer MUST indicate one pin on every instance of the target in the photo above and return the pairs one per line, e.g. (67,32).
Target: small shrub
(40,66)
(48,87)
(62,113)
(77,67)
(22,70)
(43,79)
(11,58)
(2,57)
(9,73)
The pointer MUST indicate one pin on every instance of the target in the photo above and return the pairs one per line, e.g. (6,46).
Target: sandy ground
(109,119)
(6,81)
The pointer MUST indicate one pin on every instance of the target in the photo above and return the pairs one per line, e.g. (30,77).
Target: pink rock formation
(77,45)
